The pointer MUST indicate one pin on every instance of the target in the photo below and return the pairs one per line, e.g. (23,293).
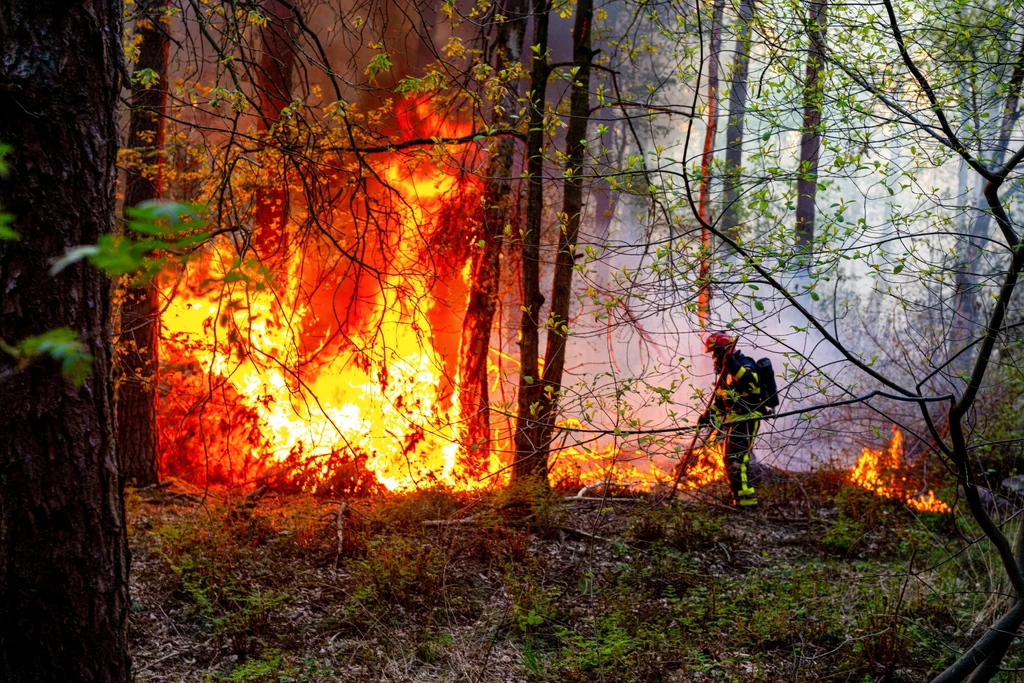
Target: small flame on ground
(588,465)
(882,473)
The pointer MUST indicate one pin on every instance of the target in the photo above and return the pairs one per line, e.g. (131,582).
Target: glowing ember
(882,473)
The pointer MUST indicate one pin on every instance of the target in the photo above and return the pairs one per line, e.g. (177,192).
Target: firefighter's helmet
(720,342)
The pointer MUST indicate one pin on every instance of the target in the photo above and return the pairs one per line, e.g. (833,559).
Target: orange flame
(325,395)
(588,465)
(882,473)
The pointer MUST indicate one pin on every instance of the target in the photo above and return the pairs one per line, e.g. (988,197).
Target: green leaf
(147,78)
(163,219)
(72,256)
(62,345)
(758,305)
(7,233)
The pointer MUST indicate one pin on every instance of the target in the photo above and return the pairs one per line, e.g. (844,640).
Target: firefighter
(738,396)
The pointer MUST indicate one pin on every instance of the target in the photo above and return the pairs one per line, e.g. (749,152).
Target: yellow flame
(381,396)
(882,473)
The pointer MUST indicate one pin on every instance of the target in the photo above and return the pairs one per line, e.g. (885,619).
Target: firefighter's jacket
(739,391)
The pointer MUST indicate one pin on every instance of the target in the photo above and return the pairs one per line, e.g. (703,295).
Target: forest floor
(837,586)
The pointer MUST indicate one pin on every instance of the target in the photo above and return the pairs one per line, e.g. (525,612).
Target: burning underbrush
(324,358)
(884,473)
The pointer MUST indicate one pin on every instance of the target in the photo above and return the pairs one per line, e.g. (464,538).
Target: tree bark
(63,550)
(968,320)
(737,114)
(706,160)
(527,464)
(274,93)
(486,260)
(810,138)
(572,210)
(138,343)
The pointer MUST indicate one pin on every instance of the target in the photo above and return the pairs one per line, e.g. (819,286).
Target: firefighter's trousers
(739,439)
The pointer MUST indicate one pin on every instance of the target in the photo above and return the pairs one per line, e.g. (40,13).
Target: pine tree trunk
(737,114)
(63,550)
(274,93)
(572,209)
(138,343)
(706,160)
(486,274)
(810,139)
(526,464)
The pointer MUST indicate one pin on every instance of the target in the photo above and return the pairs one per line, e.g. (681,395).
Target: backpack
(766,378)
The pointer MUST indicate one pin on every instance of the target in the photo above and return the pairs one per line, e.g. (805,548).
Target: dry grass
(533,588)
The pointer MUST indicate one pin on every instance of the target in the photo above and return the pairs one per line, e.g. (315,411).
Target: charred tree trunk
(706,160)
(737,114)
(810,138)
(572,210)
(138,344)
(486,274)
(63,551)
(274,91)
(527,463)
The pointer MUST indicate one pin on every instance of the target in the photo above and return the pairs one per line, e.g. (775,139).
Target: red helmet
(720,342)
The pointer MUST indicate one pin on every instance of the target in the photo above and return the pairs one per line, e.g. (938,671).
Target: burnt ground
(840,586)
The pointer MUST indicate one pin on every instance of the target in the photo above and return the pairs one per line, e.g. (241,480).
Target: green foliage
(380,62)
(62,345)
(207,557)
(398,570)
(533,606)
(145,77)
(6,231)
(168,229)
(843,537)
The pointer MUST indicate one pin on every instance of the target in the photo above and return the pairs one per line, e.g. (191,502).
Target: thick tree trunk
(737,114)
(572,209)
(274,93)
(486,274)
(526,463)
(63,551)
(706,160)
(810,138)
(138,344)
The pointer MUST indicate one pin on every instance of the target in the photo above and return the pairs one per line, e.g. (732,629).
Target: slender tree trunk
(968,318)
(486,274)
(810,139)
(274,91)
(63,549)
(737,114)
(138,344)
(572,210)
(706,160)
(526,463)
